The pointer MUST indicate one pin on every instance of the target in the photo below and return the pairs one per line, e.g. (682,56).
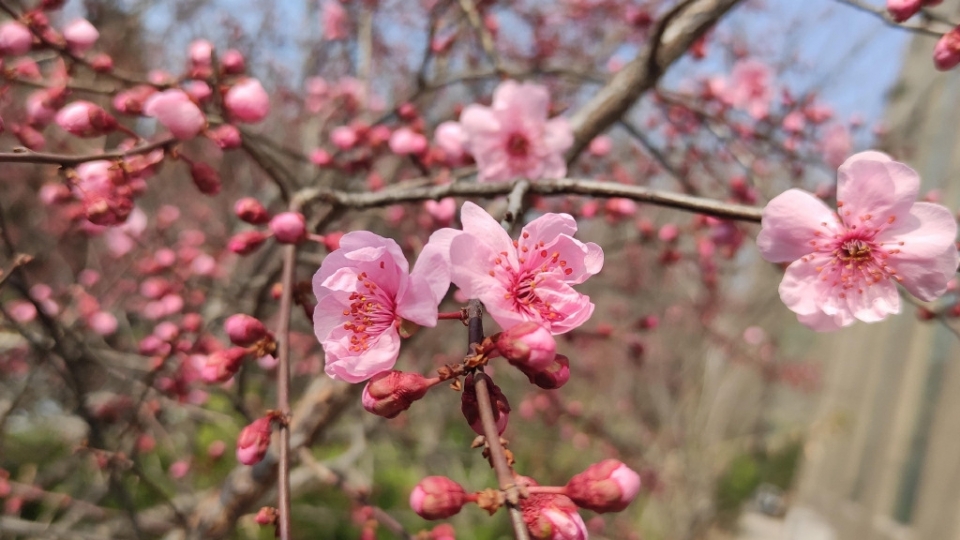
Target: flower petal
(480,225)
(876,186)
(928,257)
(341,364)
(790,222)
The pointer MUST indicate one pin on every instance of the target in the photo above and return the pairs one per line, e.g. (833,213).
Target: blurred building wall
(883,458)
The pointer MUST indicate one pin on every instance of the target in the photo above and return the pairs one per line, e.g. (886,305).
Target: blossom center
(518,145)
(371,313)
(521,284)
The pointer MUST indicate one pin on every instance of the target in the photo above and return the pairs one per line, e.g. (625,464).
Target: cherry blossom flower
(247,101)
(174,109)
(80,35)
(513,138)
(528,279)
(363,292)
(845,265)
(749,88)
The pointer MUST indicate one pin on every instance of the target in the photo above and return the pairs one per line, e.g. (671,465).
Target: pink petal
(875,186)
(875,302)
(789,224)
(558,135)
(582,260)
(481,226)
(576,308)
(801,288)
(343,365)
(928,258)
(819,321)
(527,99)
(433,264)
(471,273)
(549,226)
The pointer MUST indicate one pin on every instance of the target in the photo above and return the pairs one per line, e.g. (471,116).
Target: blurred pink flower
(513,138)
(85,119)
(450,137)
(845,265)
(247,101)
(15,38)
(176,112)
(363,292)
(334,20)
(406,141)
(836,144)
(527,279)
(749,88)
(80,35)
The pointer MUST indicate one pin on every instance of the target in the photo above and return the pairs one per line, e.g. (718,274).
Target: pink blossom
(946,54)
(406,141)
(902,10)
(289,227)
(845,265)
(334,20)
(176,112)
(437,497)
(601,145)
(344,137)
(749,88)
(450,137)
(80,35)
(84,119)
(443,210)
(201,52)
(15,39)
(247,101)
(836,144)
(233,62)
(527,279)
(253,441)
(363,292)
(227,137)
(608,486)
(513,138)
(132,100)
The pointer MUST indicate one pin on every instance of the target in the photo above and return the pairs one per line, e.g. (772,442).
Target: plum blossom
(845,265)
(749,88)
(176,112)
(528,279)
(247,101)
(80,35)
(363,292)
(513,137)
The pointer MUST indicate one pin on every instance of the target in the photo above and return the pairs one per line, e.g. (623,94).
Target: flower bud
(289,227)
(392,392)
(102,63)
(244,330)
(80,36)
(176,112)
(15,39)
(84,119)
(267,516)
(471,408)
(233,62)
(902,10)
(552,517)
(250,210)
(247,101)
(29,137)
(608,486)
(528,345)
(205,177)
(946,53)
(246,242)
(253,441)
(221,365)
(437,497)
(553,376)
(132,100)
(227,137)
(406,141)
(444,531)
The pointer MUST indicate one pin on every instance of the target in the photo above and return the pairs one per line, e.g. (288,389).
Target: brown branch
(675,32)
(283,388)
(920,28)
(66,160)
(563,186)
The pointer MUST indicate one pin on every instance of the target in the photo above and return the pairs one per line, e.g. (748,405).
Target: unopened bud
(227,137)
(437,497)
(551,516)
(84,119)
(553,376)
(902,10)
(444,531)
(528,345)
(205,177)
(246,242)
(244,330)
(267,516)
(946,54)
(102,63)
(253,441)
(392,392)
(289,227)
(471,408)
(233,62)
(221,365)
(250,210)
(608,486)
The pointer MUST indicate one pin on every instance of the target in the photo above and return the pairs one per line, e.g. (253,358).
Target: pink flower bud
(29,137)
(244,330)
(437,497)
(80,36)
(102,63)
(247,101)
(205,177)
(608,486)
(221,365)
(102,323)
(192,322)
(132,100)
(321,158)
(344,137)
(334,20)
(250,210)
(902,10)
(946,54)
(405,141)
(528,345)
(153,346)
(450,137)
(471,409)
(84,119)
(246,242)
(200,52)
(233,62)
(289,227)
(600,146)
(443,531)
(15,39)
(167,331)
(331,240)
(553,376)
(551,517)
(253,441)
(227,137)
(267,516)
(392,392)
(174,110)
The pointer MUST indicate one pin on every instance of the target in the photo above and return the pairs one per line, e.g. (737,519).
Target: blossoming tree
(171,236)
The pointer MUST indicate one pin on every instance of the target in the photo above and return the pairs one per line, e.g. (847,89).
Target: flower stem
(283,389)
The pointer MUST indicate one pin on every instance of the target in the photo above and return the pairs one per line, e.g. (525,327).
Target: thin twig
(66,160)
(921,28)
(283,389)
